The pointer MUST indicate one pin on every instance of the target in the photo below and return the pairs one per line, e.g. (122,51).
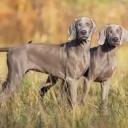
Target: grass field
(26,109)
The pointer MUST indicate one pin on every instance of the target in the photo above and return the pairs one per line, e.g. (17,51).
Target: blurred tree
(37,6)
(23,20)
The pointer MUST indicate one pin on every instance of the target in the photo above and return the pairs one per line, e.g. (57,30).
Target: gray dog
(103,58)
(66,61)
(102,62)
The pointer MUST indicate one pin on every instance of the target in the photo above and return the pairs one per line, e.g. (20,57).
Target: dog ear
(72,31)
(94,26)
(102,35)
(124,36)
(93,29)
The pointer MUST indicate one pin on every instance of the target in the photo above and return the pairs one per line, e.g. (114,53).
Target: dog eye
(80,24)
(88,24)
(110,31)
(117,30)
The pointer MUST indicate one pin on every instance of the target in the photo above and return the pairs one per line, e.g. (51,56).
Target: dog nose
(83,32)
(115,39)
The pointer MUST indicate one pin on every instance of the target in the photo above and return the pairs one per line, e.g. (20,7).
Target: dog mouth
(115,40)
(83,37)
(114,44)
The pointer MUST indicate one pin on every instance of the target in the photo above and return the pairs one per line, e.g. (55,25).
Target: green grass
(26,109)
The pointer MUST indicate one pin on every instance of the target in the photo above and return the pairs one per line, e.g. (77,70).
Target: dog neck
(85,44)
(78,42)
(106,47)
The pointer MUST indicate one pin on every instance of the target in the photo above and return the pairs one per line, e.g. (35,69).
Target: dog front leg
(86,88)
(104,95)
(72,92)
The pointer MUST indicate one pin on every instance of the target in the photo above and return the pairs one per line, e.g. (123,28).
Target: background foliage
(23,20)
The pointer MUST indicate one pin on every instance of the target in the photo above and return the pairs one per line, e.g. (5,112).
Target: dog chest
(77,64)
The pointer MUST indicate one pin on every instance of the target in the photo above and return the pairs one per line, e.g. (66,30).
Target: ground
(26,109)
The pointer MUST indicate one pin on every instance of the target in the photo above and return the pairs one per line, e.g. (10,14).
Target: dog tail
(29,42)
(5,49)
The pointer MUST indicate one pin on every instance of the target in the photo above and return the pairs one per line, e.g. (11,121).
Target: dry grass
(26,110)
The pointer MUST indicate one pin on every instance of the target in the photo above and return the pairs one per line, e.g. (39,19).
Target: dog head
(114,34)
(82,29)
